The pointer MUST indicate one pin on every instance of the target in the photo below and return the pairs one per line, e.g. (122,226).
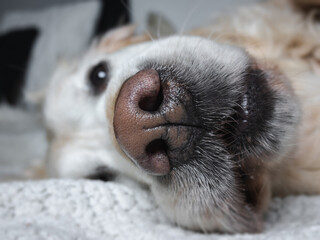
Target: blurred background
(35,35)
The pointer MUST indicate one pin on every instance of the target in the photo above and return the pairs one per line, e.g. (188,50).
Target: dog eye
(98,77)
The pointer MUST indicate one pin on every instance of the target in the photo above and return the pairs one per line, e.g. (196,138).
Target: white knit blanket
(94,210)
(83,209)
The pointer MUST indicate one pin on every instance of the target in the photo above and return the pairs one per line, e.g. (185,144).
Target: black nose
(151,122)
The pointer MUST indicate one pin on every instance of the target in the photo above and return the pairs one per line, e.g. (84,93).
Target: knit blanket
(84,209)
(95,210)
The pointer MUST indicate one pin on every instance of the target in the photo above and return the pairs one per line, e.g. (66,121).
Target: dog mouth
(202,135)
(204,122)
(252,119)
(161,119)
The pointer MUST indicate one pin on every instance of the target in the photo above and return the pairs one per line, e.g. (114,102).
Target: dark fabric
(16,47)
(15,50)
(113,13)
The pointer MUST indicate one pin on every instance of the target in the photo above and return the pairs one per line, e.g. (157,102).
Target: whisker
(188,17)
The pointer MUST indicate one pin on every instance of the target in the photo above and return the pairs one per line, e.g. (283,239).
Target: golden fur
(282,40)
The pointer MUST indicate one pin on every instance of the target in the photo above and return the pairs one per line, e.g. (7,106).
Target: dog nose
(150,122)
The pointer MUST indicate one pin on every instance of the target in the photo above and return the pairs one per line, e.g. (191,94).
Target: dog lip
(248,110)
(252,115)
(243,112)
(171,124)
(244,106)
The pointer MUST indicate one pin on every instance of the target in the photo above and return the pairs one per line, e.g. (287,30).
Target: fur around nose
(148,123)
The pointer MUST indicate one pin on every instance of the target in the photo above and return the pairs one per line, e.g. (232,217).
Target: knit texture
(84,209)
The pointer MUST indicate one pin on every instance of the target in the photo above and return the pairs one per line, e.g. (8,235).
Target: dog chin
(207,124)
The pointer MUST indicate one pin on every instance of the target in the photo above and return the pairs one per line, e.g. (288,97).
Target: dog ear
(308,6)
(119,38)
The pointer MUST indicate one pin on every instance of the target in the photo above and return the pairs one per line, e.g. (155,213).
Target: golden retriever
(215,122)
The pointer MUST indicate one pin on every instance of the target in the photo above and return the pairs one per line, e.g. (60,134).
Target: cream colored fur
(278,36)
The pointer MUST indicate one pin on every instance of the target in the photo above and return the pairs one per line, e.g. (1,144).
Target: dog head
(199,121)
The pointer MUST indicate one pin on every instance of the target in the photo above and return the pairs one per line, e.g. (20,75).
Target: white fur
(81,130)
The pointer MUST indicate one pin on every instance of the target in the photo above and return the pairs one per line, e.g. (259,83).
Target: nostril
(137,122)
(156,147)
(152,102)
(157,161)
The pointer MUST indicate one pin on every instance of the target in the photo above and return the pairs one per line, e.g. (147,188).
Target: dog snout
(151,122)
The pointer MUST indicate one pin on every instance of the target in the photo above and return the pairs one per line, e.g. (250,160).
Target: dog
(215,122)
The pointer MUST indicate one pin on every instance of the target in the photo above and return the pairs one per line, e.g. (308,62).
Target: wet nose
(150,122)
